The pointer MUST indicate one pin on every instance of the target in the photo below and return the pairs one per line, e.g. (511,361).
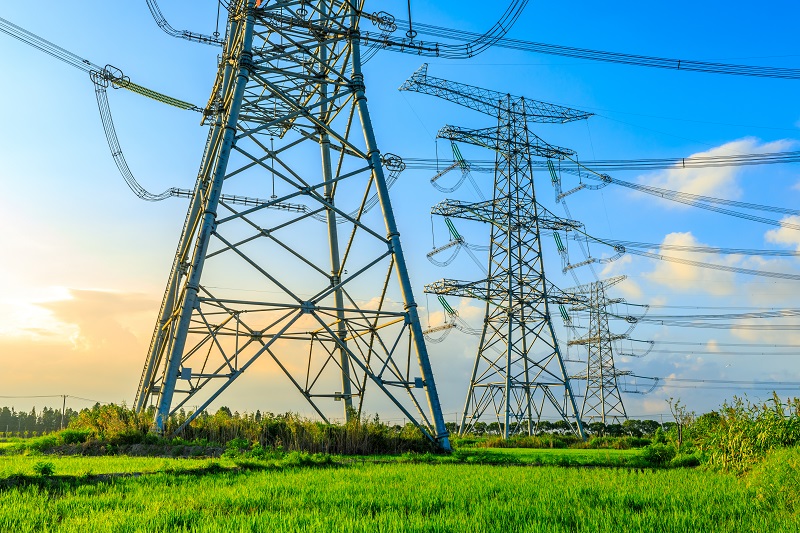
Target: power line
(611,57)
(109,74)
(776,313)
(724,344)
(704,249)
(711,320)
(710,203)
(730,387)
(18,397)
(707,352)
(703,381)
(714,266)
(659,163)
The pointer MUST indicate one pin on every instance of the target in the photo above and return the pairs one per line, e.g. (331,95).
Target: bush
(44,468)
(305,459)
(659,454)
(290,432)
(114,423)
(776,479)
(685,460)
(236,447)
(74,436)
(742,433)
(535,441)
(617,443)
(42,444)
(128,436)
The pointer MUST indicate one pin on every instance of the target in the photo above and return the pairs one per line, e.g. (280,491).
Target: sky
(84,262)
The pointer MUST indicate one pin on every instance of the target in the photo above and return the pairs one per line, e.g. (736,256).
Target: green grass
(279,495)
(77,465)
(562,456)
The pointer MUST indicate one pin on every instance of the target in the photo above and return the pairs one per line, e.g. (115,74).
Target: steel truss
(519,375)
(322,289)
(602,401)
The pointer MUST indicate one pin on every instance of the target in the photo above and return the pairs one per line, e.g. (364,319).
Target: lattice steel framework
(519,375)
(602,401)
(310,277)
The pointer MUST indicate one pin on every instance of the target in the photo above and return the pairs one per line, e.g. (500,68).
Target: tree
(681,415)
(632,428)
(649,427)
(597,428)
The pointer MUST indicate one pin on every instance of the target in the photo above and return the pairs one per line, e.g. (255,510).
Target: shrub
(685,460)
(44,468)
(659,454)
(114,423)
(236,447)
(128,436)
(42,444)
(742,433)
(617,443)
(535,441)
(776,479)
(74,436)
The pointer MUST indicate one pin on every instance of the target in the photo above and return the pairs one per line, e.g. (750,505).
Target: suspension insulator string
(410,33)
(428,309)
(219,7)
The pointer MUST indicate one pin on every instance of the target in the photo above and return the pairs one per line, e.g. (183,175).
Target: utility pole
(63,408)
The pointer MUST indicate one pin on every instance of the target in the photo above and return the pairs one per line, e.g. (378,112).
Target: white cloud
(629,288)
(103,319)
(84,342)
(785,235)
(689,278)
(716,181)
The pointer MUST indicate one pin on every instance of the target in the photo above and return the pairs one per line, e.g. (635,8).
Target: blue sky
(85,261)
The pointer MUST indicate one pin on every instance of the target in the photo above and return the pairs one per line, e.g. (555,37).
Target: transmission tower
(519,373)
(309,277)
(602,401)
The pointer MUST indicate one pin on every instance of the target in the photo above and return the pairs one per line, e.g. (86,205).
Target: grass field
(295,494)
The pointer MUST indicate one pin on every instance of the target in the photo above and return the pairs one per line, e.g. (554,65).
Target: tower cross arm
(588,288)
(465,289)
(488,101)
(557,296)
(487,211)
(596,339)
(493,139)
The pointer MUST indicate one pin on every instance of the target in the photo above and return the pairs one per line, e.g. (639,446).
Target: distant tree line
(15,423)
(628,428)
(736,437)
(34,423)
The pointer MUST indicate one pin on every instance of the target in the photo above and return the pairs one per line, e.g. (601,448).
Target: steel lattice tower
(309,277)
(602,401)
(519,373)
